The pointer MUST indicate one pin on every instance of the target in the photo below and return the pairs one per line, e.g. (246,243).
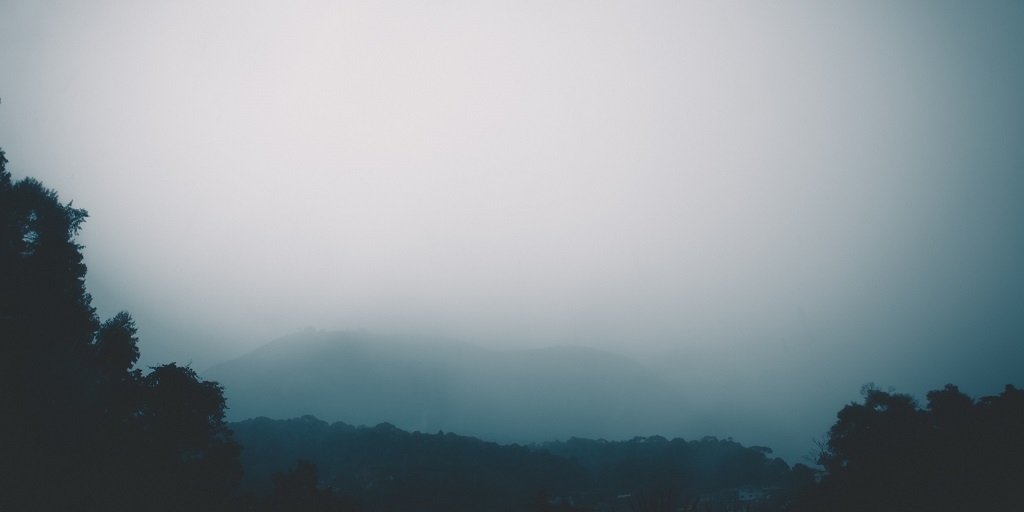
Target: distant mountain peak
(506,395)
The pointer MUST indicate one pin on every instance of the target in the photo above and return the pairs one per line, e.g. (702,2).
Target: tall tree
(83,428)
(47,324)
(956,454)
(188,454)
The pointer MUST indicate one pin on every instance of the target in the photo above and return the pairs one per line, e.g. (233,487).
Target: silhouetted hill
(506,396)
(387,468)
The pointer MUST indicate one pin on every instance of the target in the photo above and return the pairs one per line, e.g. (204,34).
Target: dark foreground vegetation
(956,453)
(84,429)
(386,468)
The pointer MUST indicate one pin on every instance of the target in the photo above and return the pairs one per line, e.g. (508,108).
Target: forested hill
(506,396)
(386,468)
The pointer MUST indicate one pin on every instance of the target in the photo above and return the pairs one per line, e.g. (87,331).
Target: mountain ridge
(524,395)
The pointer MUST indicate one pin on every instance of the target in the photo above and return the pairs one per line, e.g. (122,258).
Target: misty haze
(518,255)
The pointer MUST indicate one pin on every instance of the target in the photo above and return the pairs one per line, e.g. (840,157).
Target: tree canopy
(956,453)
(84,428)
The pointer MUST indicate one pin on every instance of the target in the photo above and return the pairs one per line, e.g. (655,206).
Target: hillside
(505,396)
(387,468)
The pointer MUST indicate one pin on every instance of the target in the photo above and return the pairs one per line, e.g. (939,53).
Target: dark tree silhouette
(299,489)
(46,328)
(117,347)
(83,429)
(956,454)
(188,450)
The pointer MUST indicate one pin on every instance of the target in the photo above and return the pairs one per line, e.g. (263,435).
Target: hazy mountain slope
(516,396)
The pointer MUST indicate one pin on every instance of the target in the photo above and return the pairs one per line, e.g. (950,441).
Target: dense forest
(85,429)
(387,468)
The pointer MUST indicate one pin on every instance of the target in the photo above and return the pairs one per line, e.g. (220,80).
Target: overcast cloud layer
(813,195)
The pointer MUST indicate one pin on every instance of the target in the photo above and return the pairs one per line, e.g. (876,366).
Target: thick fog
(769,203)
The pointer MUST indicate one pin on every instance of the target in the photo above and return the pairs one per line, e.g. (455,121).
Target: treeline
(386,468)
(955,453)
(687,470)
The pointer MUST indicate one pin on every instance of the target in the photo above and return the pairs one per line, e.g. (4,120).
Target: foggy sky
(805,197)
